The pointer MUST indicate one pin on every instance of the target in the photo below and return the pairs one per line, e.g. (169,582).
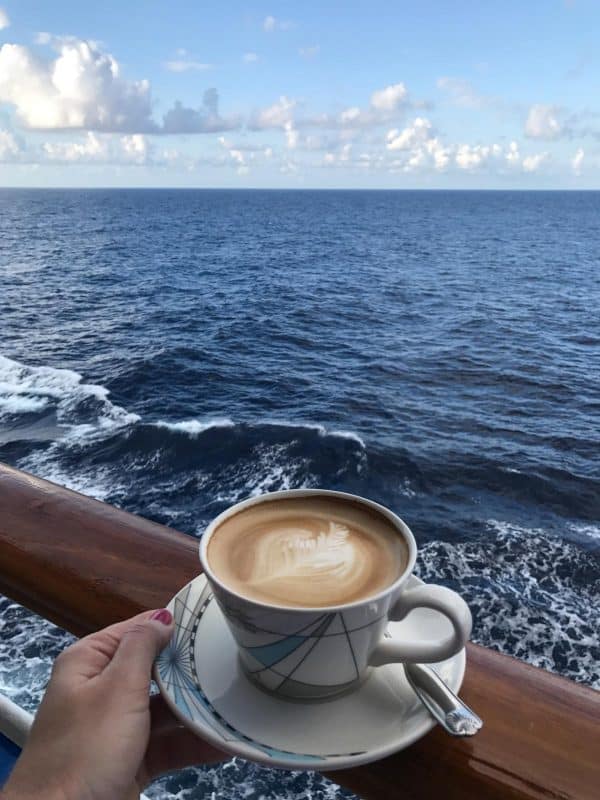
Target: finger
(91,655)
(140,643)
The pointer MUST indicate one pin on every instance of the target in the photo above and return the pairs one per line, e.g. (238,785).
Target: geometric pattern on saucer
(177,669)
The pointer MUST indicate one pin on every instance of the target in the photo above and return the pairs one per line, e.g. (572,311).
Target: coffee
(307,552)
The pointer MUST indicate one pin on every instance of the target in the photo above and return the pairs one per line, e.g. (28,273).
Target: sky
(458,94)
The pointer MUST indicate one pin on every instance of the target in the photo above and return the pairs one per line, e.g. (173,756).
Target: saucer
(202,682)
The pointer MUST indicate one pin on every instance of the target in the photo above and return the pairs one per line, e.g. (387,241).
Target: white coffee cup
(309,653)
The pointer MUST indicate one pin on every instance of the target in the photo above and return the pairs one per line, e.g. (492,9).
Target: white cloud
(439,153)
(291,135)
(271,24)
(351,115)
(390,98)
(462,92)
(102,148)
(93,148)
(81,88)
(250,58)
(414,134)
(236,156)
(424,149)
(4,20)
(513,157)
(475,156)
(274,116)
(184,65)
(578,161)
(385,105)
(135,147)
(534,162)
(309,52)
(206,119)
(543,122)
(9,147)
(345,152)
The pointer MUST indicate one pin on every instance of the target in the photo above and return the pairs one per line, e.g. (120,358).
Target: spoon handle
(448,709)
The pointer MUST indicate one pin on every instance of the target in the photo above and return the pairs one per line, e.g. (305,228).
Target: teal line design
(350,644)
(177,669)
(317,635)
(270,654)
(273,653)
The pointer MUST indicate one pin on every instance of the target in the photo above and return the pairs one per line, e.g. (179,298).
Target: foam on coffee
(313,551)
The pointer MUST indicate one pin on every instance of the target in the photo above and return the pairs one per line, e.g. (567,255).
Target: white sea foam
(25,389)
(315,426)
(21,404)
(194,427)
(42,381)
(348,435)
(528,593)
(583,529)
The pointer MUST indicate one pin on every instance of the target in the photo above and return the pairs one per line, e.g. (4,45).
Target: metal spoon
(448,709)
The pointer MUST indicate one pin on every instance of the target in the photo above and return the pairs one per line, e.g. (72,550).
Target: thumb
(138,648)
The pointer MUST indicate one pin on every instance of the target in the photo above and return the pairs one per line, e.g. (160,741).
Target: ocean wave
(315,426)
(194,427)
(25,390)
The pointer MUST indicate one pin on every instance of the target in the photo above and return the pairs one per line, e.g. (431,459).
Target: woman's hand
(95,735)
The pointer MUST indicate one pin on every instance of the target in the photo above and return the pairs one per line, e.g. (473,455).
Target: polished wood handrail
(84,564)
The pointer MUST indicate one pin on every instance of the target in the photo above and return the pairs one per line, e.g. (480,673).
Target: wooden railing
(84,564)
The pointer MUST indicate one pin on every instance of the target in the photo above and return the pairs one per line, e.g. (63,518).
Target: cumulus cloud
(81,88)
(424,149)
(577,160)
(533,163)
(274,116)
(135,147)
(206,119)
(4,20)
(513,157)
(236,156)
(543,122)
(10,148)
(390,98)
(414,134)
(474,156)
(99,148)
(92,148)
(291,135)
(250,58)
(384,105)
(271,24)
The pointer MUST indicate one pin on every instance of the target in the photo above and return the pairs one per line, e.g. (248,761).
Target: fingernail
(163,615)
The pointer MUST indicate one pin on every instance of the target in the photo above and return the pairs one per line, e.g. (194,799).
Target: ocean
(173,352)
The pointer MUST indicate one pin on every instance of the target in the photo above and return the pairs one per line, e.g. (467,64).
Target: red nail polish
(163,615)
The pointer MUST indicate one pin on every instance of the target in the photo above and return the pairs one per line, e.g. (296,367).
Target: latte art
(287,555)
(306,554)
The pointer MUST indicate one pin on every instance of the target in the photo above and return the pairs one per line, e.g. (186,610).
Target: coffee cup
(308,579)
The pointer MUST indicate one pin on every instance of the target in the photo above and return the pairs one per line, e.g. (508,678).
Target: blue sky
(314,94)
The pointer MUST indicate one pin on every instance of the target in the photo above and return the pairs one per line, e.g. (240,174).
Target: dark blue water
(173,352)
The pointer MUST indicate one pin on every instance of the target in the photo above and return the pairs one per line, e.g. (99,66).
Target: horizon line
(288,189)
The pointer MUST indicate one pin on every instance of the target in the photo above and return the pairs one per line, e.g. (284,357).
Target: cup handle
(440,599)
